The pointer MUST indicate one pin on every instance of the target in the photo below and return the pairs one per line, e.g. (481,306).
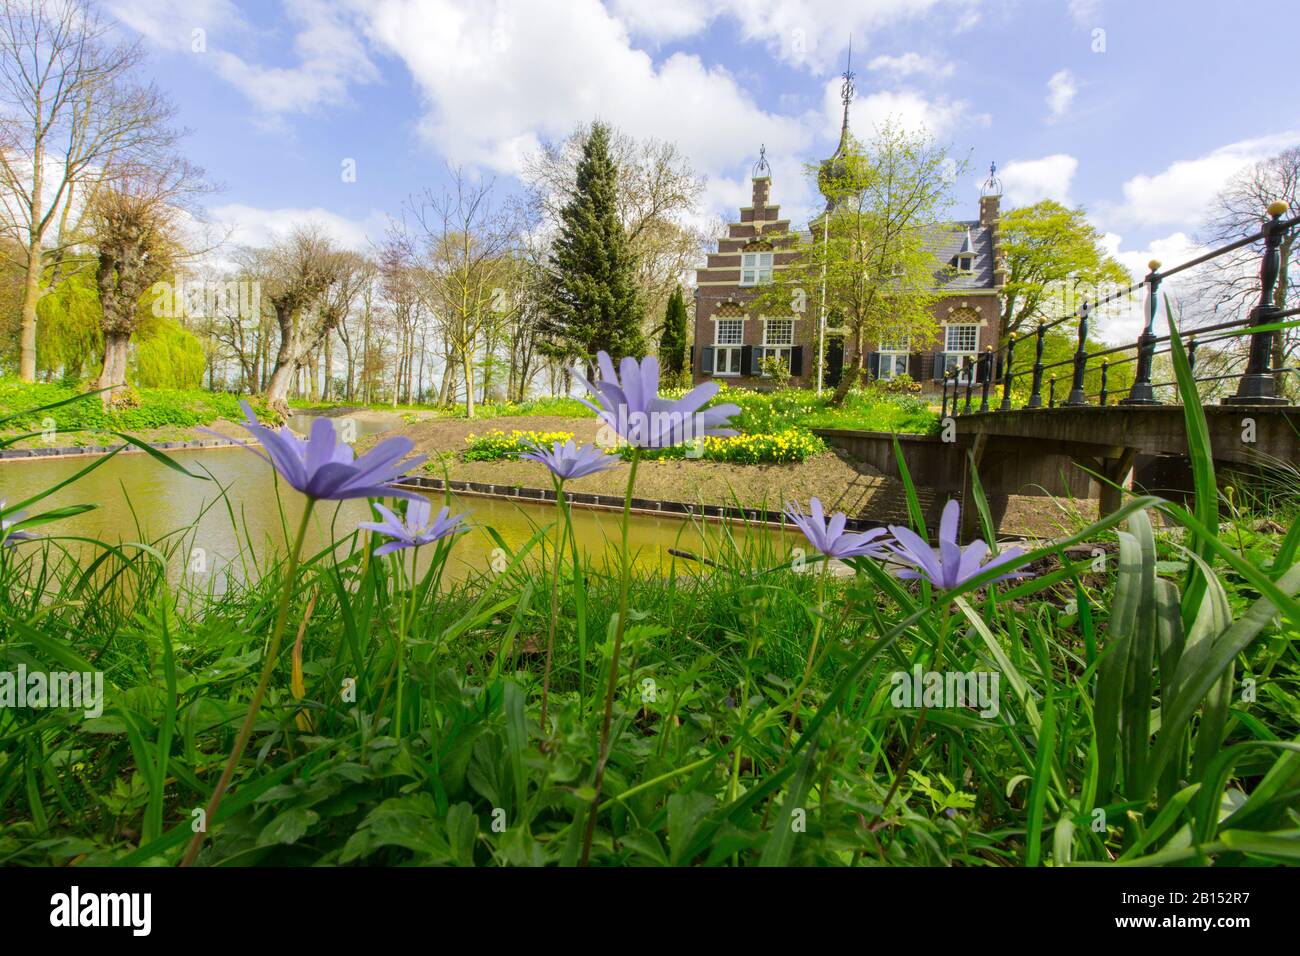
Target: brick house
(731,339)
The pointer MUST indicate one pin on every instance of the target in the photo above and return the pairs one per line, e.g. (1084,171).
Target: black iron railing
(1258,383)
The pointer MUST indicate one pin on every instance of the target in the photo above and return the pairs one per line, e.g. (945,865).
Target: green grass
(157,408)
(1149,706)
(868,409)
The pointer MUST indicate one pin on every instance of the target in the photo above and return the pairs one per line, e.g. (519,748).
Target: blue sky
(1139,123)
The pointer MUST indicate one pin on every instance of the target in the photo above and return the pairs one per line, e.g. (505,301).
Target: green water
(141,500)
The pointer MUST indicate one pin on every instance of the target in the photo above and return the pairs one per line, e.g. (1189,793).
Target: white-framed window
(755,268)
(962,338)
(893,358)
(961,341)
(965,263)
(728,338)
(778,340)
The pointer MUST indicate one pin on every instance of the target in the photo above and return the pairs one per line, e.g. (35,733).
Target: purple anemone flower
(322,467)
(632,407)
(567,460)
(415,529)
(830,538)
(11,538)
(950,565)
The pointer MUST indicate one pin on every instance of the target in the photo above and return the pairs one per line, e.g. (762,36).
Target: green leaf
(289,827)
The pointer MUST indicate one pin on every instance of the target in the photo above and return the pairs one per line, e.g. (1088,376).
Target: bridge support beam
(970,519)
(1118,473)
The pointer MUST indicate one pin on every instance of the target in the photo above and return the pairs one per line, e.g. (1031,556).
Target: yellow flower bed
(774,448)
(498,444)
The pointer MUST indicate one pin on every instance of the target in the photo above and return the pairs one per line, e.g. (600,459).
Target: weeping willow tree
(169,357)
(70,338)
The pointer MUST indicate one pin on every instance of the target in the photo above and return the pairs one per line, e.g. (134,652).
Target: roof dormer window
(964,262)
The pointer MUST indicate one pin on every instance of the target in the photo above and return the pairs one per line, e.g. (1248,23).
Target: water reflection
(141,500)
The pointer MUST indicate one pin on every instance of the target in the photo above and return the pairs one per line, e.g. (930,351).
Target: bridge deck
(1238,434)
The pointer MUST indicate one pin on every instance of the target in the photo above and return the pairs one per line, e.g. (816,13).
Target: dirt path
(841,483)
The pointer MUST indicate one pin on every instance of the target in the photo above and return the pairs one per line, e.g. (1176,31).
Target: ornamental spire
(847,90)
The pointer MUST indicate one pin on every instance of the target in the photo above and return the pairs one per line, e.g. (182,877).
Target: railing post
(1105,368)
(1077,395)
(943,407)
(1191,355)
(987,360)
(1036,390)
(1142,393)
(1259,386)
(1051,392)
(1006,373)
(968,367)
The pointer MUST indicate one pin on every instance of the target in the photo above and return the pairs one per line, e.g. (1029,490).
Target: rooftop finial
(992,186)
(846,88)
(761,168)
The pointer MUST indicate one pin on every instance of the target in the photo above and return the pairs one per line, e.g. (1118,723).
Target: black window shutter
(796,360)
(940,365)
(706,360)
(873,365)
(749,360)
(914,366)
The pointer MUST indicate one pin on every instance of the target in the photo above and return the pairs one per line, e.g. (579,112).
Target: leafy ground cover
(747,709)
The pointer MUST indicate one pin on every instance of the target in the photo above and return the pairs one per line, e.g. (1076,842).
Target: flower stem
(812,650)
(268,667)
(613,664)
(555,596)
(935,663)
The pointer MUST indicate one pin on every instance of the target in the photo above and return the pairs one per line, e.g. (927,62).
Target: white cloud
(251,226)
(1061,90)
(1124,320)
(1181,194)
(1086,13)
(170,24)
(494,85)
(663,19)
(327,43)
(1026,181)
(812,33)
(909,64)
(912,110)
(331,58)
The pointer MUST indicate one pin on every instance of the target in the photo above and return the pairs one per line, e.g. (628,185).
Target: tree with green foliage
(884,199)
(672,342)
(1052,255)
(592,295)
(172,357)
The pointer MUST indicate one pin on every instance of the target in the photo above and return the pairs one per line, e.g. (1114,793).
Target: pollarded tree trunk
(125,272)
(277,386)
(113,374)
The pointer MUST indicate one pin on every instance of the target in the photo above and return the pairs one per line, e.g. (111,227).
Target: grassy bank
(1141,704)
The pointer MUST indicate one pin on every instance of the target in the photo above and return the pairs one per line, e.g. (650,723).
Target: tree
(170,358)
(594,302)
(1048,249)
(884,201)
(672,343)
(1232,279)
(469,246)
(72,121)
(303,267)
(135,228)
(657,199)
